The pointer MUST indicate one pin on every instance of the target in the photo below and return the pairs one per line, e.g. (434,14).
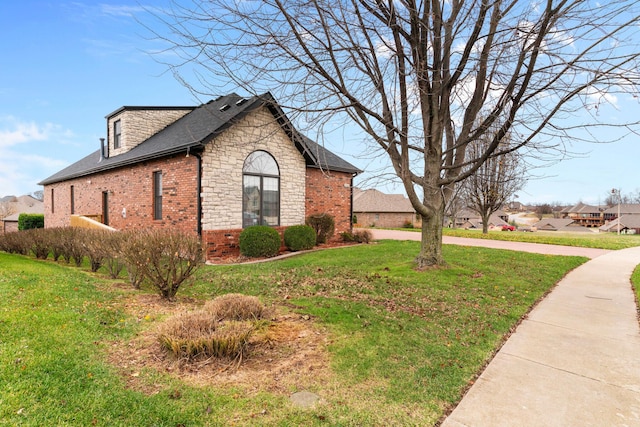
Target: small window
(157,195)
(73,204)
(261,190)
(52,202)
(116,134)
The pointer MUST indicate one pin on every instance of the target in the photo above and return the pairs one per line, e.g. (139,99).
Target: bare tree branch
(424,80)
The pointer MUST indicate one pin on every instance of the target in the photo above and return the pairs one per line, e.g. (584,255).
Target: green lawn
(581,239)
(401,345)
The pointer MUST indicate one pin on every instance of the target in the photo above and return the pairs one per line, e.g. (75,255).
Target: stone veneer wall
(130,188)
(224,158)
(138,123)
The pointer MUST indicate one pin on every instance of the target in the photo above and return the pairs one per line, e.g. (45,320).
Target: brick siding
(330,192)
(387,219)
(303,191)
(130,189)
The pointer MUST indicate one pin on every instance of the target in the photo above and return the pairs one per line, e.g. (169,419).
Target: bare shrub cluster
(164,259)
(360,236)
(221,329)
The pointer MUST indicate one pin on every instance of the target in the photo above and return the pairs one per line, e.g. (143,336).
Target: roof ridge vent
(225,107)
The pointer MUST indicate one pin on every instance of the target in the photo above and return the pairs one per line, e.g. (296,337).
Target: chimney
(103,154)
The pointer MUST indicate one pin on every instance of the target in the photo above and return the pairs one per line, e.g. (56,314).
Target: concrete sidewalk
(575,360)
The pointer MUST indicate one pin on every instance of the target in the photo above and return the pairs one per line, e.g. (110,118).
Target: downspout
(199,192)
(351,205)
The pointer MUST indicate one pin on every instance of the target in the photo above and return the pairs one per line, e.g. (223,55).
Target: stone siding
(224,158)
(138,124)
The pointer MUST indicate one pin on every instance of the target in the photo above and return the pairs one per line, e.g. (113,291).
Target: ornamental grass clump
(235,307)
(197,334)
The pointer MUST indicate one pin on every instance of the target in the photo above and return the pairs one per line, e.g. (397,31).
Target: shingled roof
(372,200)
(196,129)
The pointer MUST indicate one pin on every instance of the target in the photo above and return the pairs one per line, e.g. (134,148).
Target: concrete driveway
(379,234)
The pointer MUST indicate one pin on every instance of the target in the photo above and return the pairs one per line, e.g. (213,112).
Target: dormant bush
(164,258)
(324,226)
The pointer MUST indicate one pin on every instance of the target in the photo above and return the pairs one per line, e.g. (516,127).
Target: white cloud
(22,163)
(14,131)
(127,11)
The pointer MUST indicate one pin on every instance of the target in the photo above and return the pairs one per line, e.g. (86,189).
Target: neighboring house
(15,206)
(515,207)
(625,210)
(629,224)
(556,224)
(375,208)
(469,219)
(584,215)
(210,170)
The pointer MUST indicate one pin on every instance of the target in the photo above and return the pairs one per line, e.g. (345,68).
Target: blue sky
(66,65)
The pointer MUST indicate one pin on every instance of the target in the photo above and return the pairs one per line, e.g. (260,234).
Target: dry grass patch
(199,335)
(236,307)
(286,353)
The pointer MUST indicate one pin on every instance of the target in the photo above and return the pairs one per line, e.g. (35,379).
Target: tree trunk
(485,223)
(431,243)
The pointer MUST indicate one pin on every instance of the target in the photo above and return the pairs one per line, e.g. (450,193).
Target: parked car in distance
(508,227)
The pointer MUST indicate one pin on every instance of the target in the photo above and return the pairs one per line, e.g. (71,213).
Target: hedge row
(164,259)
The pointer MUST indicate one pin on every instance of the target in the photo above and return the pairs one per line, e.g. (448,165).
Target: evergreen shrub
(259,241)
(299,237)
(30,221)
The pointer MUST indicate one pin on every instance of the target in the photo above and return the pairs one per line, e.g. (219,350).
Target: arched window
(260,190)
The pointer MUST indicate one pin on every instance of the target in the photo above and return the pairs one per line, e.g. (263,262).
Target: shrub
(324,226)
(165,258)
(93,243)
(259,241)
(114,260)
(72,245)
(132,251)
(299,237)
(30,221)
(57,240)
(361,236)
(198,334)
(15,243)
(39,241)
(235,307)
(407,224)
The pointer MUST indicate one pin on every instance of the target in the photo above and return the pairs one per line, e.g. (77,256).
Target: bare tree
(38,195)
(7,208)
(497,180)
(415,76)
